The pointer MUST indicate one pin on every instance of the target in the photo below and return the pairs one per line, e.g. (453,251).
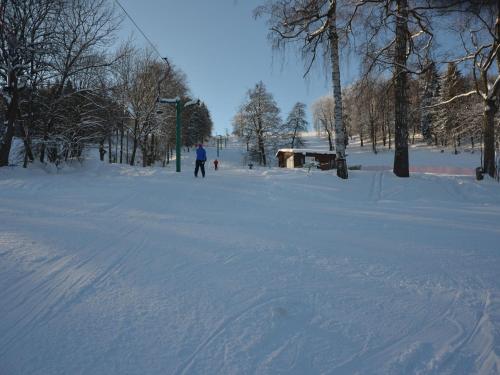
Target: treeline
(406,39)
(258,124)
(369,110)
(63,91)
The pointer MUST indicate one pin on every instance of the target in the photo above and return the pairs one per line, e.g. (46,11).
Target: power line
(140,30)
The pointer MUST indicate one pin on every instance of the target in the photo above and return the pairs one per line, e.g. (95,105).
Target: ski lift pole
(178,109)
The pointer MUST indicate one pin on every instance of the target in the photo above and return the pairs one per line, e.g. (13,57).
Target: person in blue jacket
(201,158)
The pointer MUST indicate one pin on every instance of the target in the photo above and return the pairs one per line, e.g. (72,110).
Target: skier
(216,163)
(201,158)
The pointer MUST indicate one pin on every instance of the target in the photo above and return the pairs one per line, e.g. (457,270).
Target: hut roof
(305,151)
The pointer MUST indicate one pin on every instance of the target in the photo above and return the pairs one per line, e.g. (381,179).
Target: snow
(307,150)
(108,269)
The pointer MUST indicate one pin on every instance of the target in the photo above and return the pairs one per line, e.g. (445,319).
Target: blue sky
(224,52)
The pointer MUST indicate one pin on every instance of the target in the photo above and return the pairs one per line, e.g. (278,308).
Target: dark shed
(299,157)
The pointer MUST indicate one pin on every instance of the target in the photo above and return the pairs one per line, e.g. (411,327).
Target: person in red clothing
(216,164)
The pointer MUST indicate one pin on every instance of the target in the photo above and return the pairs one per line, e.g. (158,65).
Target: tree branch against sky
(478,25)
(313,27)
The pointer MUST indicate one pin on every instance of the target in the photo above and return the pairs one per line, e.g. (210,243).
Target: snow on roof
(305,151)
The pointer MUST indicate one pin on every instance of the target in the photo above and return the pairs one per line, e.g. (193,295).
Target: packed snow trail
(123,270)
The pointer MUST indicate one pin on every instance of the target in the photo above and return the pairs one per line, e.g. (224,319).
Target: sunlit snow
(109,269)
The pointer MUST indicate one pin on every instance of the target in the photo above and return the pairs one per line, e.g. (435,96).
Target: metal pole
(217,147)
(178,136)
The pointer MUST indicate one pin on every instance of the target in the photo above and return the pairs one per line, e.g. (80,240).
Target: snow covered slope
(123,270)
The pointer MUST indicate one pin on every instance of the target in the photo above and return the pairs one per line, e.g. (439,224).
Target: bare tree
(323,110)
(398,36)
(478,25)
(259,120)
(84,29)
(314,24)
(26,28)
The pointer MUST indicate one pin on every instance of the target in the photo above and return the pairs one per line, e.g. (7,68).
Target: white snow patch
(109,269)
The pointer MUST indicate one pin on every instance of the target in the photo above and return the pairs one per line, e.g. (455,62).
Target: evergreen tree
(448,118)
(430,92)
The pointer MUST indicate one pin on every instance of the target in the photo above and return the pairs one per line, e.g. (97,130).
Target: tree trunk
(389,136)
(102,152)
(116,145)
(384,134)
(337,95)
(42,149)
(373,135)
(330,141)
(293,137)
(110,150)
(121,144)
(144,149)
(6,144)
(126,141)
(152,153)
(27,147)
(134,147)
(262,151)
(28,153)
(490,110)
(401,163)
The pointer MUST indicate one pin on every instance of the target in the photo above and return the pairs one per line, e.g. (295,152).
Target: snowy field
(128,270)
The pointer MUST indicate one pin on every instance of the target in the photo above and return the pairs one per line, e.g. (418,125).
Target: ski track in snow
(115,269)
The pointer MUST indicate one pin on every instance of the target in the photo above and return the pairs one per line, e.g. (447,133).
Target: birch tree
(314,25)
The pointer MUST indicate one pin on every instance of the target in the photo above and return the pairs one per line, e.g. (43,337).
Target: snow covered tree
(478,24)
(26,30)
(258,121)
(448,116)
(368,98)
(83,31)
(430,91)
(314,25)
(323,110)
(141,79)
(399,36)
(197,124)
(296,123)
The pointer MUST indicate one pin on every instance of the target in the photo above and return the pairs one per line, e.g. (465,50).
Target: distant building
(300,157)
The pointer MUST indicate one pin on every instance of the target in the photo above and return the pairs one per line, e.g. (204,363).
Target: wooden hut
(300,157)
